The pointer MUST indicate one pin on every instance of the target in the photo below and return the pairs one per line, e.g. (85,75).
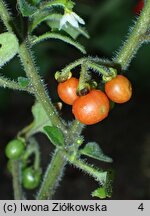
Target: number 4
(141,207)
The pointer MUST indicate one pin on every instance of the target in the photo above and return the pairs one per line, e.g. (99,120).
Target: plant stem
(52,176)
(89,62)
(65,71)
(76,128)
(40,93)
(5,16)
(134,41)
(55,168)
(146,38)
(84,77)
(16,174)
(33,148)
(99,68)
(6,83)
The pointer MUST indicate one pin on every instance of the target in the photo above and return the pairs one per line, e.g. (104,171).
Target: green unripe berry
(31,178)
(14,149)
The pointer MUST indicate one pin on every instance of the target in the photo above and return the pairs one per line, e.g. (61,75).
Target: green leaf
(26,9)
(40,118)
(55,135)
(100,176)
(23,81)
(42,16)
(49,35)
(58,3)
(93,150)
(106,190)
(8,47)
(100,193)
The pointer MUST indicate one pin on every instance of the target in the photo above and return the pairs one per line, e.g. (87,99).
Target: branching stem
(16,174)
(11,84)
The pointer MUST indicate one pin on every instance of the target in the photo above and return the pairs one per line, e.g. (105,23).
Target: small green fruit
(14,149)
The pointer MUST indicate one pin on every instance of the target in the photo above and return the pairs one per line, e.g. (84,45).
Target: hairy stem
(134,40)
(5,16)
(84,77)
(76,128)
(88,61)
(33,149)
(16,174)
(52,176)
(40,93)
(6,83)
(65,71)
(146,38)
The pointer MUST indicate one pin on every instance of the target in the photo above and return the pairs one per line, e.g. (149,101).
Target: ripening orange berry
(91,108)
(67,90)
(119,89)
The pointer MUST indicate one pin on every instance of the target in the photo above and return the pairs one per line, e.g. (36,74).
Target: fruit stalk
(16,174)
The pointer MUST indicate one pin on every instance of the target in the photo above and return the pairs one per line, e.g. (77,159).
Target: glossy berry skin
(91,108)
(119,89)
(30,178)
(14,149)
(67,90)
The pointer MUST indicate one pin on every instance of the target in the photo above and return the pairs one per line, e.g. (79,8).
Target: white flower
(72,18)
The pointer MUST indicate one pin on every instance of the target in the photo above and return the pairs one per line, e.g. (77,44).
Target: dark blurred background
(124,135)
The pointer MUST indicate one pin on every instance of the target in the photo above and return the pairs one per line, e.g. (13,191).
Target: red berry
(119,89)
(67,90)
(91,108)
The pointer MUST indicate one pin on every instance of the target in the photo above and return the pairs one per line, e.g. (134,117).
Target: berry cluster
(15,150)
(94,106)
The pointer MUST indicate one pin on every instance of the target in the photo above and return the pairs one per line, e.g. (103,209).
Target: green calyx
(60,77)
(109,76)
